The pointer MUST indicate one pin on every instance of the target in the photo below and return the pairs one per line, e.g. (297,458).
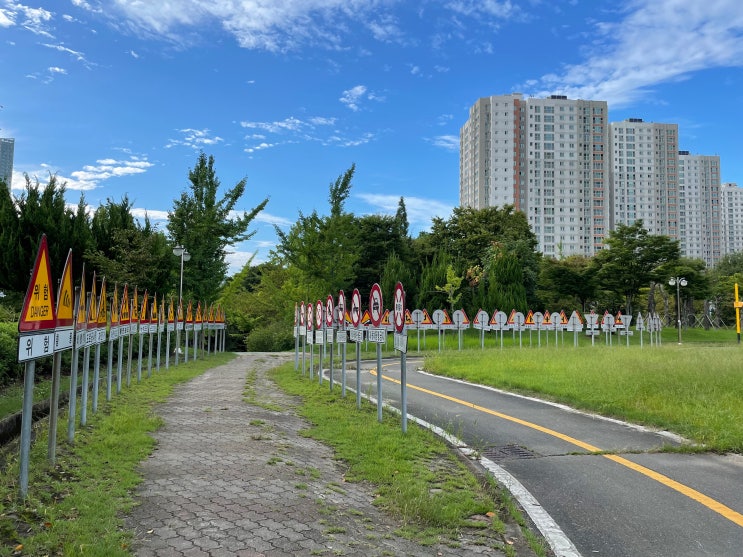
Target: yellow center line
(708,502)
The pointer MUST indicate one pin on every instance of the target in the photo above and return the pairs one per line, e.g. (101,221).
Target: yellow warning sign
(81,317)
(180,311)
(124,314)
(143,310)
(38,306)
(103,306)
(189,313)
(115,307)
(153,310)
(199,317)
(66,296)
(171,312)
(135,307)
(92,306)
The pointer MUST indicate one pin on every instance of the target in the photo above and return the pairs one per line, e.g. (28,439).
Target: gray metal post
(72,403)
(84,394)
(109,368)
(119,363)
(96,376)
(54,407)
(379,382)
(404,390)
(358,374)
(26,423)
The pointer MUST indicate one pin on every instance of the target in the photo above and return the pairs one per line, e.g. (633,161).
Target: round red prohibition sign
(301,314)
(341,309)
(375,305)
(356,308)
(310,314)
(318,315)
(329,312)
(398,308)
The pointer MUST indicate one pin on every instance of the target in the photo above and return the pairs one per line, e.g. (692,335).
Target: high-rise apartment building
(699,207)
(549,158)
(731,210)
(644,175)
(7,147)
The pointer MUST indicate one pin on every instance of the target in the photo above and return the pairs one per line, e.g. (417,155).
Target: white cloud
(420,211)
(312,129)
(152,214)
(196,139)
(79,56)
(268,218)
(55,69)
(448,142)
(658,41)
(353,97)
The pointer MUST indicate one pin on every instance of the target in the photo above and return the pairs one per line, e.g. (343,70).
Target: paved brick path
(232,478)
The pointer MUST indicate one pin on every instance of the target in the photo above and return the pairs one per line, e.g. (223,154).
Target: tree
(633,259)
(323,249)
(567,282)
(206,227)
(451,288)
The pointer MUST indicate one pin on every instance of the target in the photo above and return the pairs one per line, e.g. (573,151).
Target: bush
(275,337)
(10,369)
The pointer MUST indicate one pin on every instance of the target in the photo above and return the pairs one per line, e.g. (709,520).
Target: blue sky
(119,96)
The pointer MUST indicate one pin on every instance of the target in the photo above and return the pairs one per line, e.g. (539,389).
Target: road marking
(697,496)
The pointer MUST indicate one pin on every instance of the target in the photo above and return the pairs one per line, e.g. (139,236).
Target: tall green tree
(206,226)
(324,249)
(634,259)
(567,283)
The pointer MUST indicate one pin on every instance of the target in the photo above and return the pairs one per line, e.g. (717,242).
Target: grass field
(694,389)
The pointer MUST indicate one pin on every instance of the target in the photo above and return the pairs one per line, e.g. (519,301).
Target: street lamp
(179,251)
(678,282)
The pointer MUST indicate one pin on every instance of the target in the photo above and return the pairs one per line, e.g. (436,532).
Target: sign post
(319,339)
(64,338)
(329,321)
(91,318)
(378,336)
(101,321)
(80,325)
(341,320)
(401,344)
(113,334)
(357,335)
(35,340)
(302,331)
(296,336)
(311,337)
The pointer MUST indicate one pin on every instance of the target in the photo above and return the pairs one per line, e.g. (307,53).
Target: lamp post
(179,251)
(678,282)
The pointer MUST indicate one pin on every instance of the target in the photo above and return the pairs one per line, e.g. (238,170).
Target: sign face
(301,314)
(481,320)
(310,315)
(341,310)
(66,296)
(38,305)
(401,342)
(398,308)
(376,309)
(32,346)
(318,315)
(356,308)
(329,314)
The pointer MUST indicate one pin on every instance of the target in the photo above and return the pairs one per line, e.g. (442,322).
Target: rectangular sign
(35,346)
(329,336)
(401,342)
(319,337)
(101,335)
(356,335)
(80,338)
(378,336)
(90,337)
(63,337)
(341,337)
(113,333)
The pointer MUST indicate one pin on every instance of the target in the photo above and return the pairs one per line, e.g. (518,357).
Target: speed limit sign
(398,308)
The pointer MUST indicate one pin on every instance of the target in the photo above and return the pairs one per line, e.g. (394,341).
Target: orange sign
(81,317)
(125,317)
(135,307)
(103,306)
(38,306)
(171,312)
(92,307)
(66,296)
(115,307)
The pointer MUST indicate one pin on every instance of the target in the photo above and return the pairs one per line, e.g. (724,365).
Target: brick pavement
(232,478)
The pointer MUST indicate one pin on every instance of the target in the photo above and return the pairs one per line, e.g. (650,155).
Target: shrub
(275,337)
(10,369)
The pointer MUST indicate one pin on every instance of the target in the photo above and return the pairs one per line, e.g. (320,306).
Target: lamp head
(178,250)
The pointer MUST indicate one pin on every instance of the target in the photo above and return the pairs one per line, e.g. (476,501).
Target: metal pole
(54,406)
(109,368)
(84,395)
(404,390)
(358,373)
(96,375)
(26,423)
(678,307)
(119,363)
(379,382)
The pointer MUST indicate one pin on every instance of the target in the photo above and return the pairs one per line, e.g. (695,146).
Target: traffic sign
(318,315)
(398,308)
(329,312)
(38,312)
(356,308)
(341,311)
(64,333)
(376,308)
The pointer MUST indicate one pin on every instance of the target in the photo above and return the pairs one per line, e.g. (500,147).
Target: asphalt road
(605,483)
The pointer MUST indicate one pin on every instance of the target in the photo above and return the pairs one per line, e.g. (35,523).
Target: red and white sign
(318,315)
(329,315)
(310,314)
(356,308)
(301,314)
(341,310)
(398,308)
(376,309)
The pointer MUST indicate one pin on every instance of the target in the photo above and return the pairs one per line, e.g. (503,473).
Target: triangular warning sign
(447,320)
(408,318)
(115,307)
(618,320)
(189,313)
(512,317)
(135,307)
(547,318)
(563,318)
(102,318)
(92,307)
(180,310)
(603,319)
(38,305)
(81,316)
(125,305)
(66,296)
(199,317)
(476,320)
(153,311)
(366,317)
(171,312)
(529,321)
(466,320)
(386,318)
(143,317)
(493,320)
(426,318)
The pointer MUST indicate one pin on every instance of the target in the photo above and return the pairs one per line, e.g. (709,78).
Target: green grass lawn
(694,389)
